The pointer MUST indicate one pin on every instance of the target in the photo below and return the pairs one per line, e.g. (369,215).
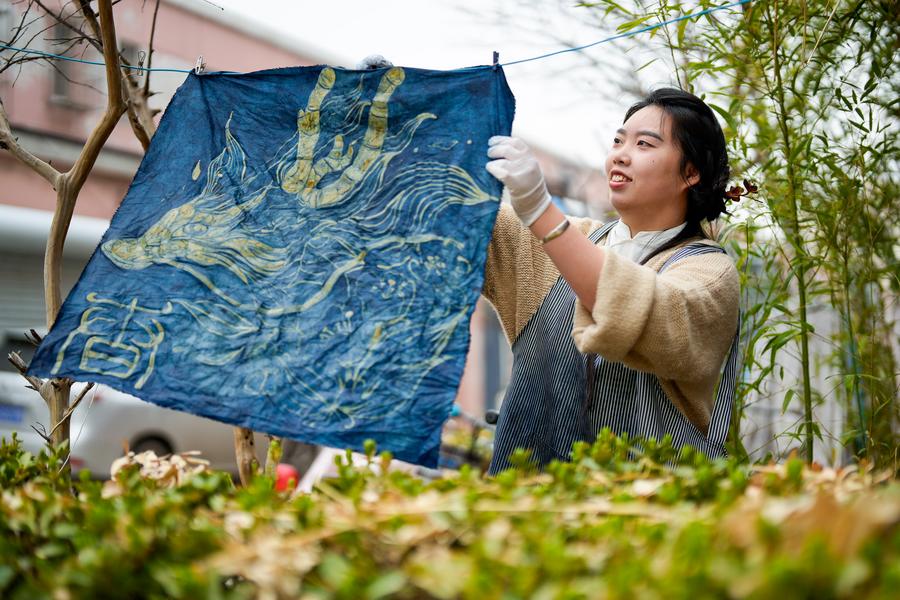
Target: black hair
(702,144)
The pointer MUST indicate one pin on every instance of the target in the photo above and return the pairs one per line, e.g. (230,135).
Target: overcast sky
(559,101)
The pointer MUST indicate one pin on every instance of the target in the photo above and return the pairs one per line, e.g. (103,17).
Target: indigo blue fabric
(299,253)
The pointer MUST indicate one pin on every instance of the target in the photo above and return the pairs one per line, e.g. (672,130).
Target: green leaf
(51,550)
(682,25)
(6,575)
(386,585)
(66,530)
(729,118)
(335,569)
(646,64)
(633,24)
(790,395)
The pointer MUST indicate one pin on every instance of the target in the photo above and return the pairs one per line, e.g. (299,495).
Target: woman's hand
(373,61)
(517,168)
(579,261)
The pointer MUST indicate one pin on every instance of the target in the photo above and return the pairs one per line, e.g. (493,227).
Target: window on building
(75,85)
(63,70)
(6,25)
(5,20)
(15,342)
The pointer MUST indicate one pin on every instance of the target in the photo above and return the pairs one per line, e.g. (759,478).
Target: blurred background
(567,108)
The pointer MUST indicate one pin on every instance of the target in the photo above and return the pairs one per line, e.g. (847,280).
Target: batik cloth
(299,253)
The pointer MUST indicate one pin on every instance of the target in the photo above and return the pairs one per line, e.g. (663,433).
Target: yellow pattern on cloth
(677,325)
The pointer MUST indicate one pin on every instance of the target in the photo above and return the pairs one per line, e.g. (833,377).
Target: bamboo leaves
(808,94)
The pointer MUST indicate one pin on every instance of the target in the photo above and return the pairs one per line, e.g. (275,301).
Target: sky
(563,103)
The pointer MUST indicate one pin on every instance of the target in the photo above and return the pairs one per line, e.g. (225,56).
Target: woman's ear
(691,175)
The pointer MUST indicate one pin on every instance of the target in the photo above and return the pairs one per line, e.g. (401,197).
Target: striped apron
(558,395)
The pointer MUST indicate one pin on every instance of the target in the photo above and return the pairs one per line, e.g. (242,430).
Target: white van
(107,422)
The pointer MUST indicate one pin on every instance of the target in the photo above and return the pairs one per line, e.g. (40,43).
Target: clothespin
(496,59)
(198,68)
(140,63)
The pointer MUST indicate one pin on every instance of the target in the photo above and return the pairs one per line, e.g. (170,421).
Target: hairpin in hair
(735,192)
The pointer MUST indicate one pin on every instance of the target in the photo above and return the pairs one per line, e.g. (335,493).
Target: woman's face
(643,169)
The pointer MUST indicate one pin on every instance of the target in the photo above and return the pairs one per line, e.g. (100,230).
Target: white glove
(517,168)
(373,61)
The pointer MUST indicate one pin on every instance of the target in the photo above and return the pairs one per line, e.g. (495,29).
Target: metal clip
(139,73)
(198,68)
(496,60)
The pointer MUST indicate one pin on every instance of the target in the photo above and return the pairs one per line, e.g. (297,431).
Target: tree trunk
(245,453)
(57,399)
(55,392)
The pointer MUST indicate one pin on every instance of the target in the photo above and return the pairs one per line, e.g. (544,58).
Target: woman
(627,325)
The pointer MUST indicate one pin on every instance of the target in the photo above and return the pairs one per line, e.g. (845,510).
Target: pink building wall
(21,187)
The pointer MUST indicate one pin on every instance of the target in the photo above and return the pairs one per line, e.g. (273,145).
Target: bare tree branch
(33,337)
(56,392)
(43,433)
(65,21)
(248,465)
(36,383)
(18,57)
(71,409)
(146,93)
(11,144)
(125,94)
(19,30)
(115,105)
(139,115)
(90,17)
(73,180)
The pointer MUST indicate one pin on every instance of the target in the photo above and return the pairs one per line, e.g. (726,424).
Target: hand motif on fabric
(305,176)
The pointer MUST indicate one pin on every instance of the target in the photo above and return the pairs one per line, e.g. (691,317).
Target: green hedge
(613,523)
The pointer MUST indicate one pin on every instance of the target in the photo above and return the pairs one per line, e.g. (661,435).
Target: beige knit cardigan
(677,325)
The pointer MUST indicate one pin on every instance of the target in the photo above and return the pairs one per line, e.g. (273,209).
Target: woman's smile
(618,179)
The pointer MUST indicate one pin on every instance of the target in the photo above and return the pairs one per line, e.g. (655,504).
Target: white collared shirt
(637,248)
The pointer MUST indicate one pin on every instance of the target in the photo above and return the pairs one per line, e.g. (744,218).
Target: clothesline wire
(632,32)
(88,62)
(506,64)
